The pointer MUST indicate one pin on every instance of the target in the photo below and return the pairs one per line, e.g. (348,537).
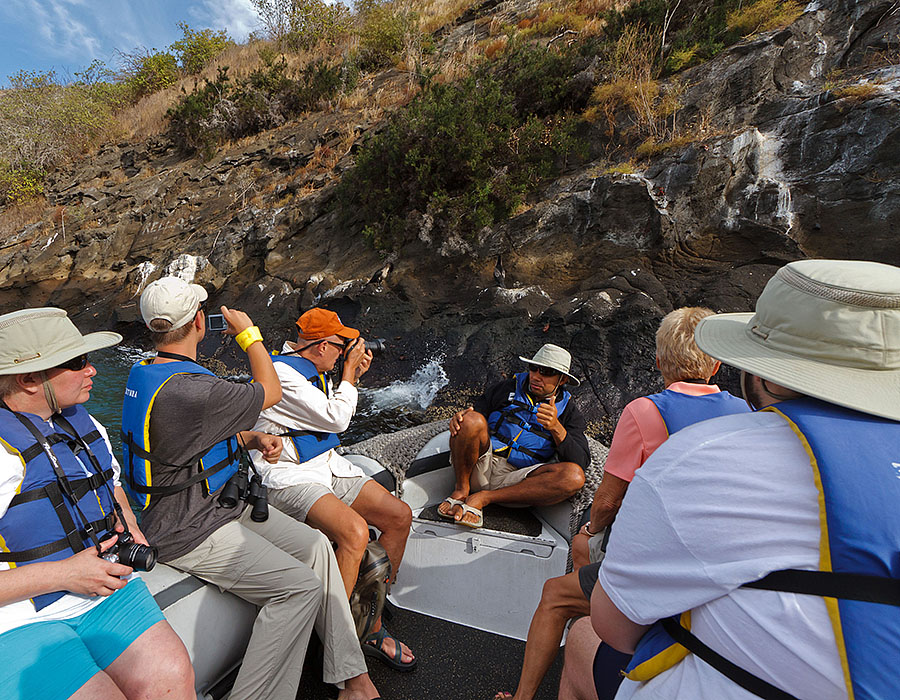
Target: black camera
(140,557)
(237,488)
(375,346)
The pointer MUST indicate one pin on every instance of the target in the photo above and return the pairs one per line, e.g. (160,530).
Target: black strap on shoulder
(29,453)
(64,487)
(201,475)
(105,524)
(79,487)
(832,584)
(733,672)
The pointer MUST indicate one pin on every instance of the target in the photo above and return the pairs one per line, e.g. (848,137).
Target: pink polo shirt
(641,429)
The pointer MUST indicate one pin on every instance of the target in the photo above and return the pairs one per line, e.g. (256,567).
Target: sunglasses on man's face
(76,364)
(339,346)
(545,371)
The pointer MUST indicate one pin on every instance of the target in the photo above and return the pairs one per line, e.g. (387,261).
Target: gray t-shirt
(191,414)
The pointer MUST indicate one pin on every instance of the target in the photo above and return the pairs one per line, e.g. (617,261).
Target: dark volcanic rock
(784,166)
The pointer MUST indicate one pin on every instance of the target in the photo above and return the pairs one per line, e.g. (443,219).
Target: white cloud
(237,17)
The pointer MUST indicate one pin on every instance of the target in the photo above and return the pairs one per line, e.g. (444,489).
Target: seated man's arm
(607,501)
(305,407)
(611,625)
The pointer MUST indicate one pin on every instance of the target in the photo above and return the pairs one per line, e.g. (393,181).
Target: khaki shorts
(298,499)
(492,472)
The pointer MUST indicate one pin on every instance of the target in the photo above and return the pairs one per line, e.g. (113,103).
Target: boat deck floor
(519,521)
(455,662)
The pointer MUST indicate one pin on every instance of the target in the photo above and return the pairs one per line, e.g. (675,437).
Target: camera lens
(375,346)
(138,556)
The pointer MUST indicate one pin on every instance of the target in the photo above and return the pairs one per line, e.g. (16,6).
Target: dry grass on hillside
(15,217)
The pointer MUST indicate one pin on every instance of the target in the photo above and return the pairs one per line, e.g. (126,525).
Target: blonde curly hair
(677,354)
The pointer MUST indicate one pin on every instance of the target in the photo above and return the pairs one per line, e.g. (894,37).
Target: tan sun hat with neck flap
(829,329)
(33,340)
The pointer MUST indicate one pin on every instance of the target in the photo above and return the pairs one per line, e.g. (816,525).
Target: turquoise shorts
(51,660)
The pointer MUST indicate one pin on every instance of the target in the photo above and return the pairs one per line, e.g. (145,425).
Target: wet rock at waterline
(782,167)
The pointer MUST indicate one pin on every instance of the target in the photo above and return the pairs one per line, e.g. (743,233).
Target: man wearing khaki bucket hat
(756,555)
(99,631)
(521,443)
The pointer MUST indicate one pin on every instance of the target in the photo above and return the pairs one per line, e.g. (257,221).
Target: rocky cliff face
(790,167)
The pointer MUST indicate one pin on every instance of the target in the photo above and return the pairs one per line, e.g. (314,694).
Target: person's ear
(30,382)
(657,363)
(715,371)
(199,320)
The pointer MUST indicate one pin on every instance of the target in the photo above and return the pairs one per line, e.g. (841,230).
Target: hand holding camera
(358,358)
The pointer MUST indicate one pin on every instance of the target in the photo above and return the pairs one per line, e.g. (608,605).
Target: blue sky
(66,35)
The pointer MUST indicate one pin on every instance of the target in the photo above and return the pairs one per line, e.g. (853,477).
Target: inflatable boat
(489,578)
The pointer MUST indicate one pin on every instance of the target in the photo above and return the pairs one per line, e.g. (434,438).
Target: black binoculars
(255,493)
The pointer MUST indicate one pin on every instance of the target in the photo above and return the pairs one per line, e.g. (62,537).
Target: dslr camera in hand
(140,557)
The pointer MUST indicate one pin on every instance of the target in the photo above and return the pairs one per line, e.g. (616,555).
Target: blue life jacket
(854,459)
(308,443)
(679,410)
(213,467)
(516,434)
(48,520)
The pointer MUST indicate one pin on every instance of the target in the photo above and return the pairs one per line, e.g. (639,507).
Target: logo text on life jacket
(896,466)
(131,392)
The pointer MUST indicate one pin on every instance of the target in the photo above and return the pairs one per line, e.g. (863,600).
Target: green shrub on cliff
(44,123)
(385,31)
(691,32)
(197,48)
(146,72)
(466,153)
(223,109)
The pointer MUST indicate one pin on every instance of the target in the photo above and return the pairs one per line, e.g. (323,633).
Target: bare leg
(561,600)
(546,485)
(155,665)
(347,529)
(393,518)
(98,687)
(577,682)
(466,447)
(390,515)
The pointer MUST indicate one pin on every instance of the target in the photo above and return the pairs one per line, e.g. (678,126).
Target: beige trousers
(289,570)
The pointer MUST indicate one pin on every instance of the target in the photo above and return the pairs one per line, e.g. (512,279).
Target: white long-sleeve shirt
(304,406)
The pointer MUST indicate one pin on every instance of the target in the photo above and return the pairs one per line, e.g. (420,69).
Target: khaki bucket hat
(825,328)
(32,340)
(554,357)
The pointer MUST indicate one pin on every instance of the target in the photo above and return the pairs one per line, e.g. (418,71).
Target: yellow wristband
(248,336)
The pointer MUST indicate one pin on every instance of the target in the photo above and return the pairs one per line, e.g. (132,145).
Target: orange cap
(318,323)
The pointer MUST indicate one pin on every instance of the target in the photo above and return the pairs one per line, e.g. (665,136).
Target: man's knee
(399,517)
(473,428)
(563,594)
(353,534)
(570,478)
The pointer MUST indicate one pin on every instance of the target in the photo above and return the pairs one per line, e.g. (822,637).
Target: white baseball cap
(171,299)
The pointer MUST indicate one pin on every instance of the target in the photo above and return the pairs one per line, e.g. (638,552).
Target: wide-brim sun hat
(554,357)
(33,340)
(829,329)
(173,300)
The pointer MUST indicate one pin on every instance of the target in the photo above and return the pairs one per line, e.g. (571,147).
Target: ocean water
(400,404)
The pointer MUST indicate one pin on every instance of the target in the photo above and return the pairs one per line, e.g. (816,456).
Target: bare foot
(358,688)
(389,647)
(476,500)
(451,510)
